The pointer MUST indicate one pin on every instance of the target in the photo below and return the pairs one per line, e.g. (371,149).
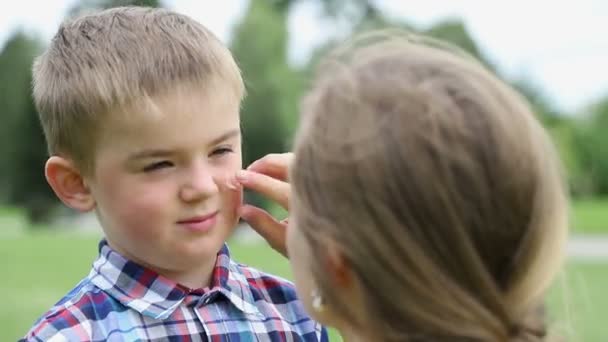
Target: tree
(561,128)
(23,147)
(260,48)
(30,189)
(352,10)
(591,143)
(15,62)
(87,5)
(454,31)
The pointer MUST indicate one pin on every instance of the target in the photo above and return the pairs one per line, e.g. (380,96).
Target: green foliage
(15,62)
(23,145)
(270,110)
(30,189)
(260,48)
(87,5)
(455,32)
(118,3)
(591,142)
(562,129)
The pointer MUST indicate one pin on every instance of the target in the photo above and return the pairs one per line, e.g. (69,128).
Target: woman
(426,201)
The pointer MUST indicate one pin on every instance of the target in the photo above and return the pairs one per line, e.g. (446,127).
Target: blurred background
(555,53)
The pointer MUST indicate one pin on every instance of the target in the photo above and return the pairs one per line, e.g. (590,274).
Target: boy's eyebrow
(165,153)
(230,134)
(150,154)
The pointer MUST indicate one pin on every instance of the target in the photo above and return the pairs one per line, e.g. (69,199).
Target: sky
(561,46)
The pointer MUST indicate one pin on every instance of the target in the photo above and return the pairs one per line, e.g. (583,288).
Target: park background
(555,53)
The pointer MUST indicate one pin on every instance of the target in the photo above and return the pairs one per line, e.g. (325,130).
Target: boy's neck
(195,278)
(200,277)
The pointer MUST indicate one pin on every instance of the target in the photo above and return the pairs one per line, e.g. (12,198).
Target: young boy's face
(159,181)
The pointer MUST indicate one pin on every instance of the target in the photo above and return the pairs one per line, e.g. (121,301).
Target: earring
(317,301)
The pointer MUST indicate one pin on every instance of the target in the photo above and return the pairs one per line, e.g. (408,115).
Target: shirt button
(208,299)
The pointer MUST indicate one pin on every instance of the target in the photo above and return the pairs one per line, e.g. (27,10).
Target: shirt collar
(156,296)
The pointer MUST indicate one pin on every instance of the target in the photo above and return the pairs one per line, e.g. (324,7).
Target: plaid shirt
(121,301)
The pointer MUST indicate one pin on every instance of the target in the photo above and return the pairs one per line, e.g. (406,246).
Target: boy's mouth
(202,223)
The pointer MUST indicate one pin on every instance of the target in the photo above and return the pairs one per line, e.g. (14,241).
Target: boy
(140,109)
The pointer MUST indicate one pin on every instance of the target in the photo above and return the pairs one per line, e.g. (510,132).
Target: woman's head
(428,200)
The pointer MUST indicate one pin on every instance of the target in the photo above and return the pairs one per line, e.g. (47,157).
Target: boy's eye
(221,151)
(157,166)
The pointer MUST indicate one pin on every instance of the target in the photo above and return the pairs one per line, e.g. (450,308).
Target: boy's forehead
(176,116)
(180,103)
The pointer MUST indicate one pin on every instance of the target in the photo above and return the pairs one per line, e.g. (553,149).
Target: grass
(578,302)
(40,268)
(590,216)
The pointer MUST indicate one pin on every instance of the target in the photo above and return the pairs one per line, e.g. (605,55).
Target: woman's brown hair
(440,187)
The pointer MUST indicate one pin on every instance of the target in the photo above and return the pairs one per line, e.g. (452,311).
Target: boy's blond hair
(103,62)
(440,187)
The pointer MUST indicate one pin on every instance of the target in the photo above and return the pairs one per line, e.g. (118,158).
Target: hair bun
(531,330)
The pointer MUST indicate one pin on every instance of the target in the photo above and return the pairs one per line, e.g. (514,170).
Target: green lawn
(590,216)
(39,268)
(579,302)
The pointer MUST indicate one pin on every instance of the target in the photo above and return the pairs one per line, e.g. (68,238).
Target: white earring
(317,301)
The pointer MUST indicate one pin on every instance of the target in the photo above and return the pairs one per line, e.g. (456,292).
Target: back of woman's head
(437,184)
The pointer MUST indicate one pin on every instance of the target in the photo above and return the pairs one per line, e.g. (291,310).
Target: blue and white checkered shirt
(122,301)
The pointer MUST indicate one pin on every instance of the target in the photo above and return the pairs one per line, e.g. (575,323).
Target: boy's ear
(68,183)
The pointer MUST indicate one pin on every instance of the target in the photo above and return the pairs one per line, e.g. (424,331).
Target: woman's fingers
(276,190)
(268,177)
(275,165)
(273,231)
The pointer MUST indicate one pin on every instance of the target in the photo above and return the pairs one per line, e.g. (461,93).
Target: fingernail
(242,210)
(231,183)
(241,175)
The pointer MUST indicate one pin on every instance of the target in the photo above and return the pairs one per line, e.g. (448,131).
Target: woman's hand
(268,176)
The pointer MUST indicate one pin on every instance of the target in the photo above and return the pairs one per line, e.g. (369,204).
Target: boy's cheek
(232,203)
(231,193)
(236,200)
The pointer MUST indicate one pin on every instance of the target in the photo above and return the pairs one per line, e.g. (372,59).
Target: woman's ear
(68,184)
(338,266)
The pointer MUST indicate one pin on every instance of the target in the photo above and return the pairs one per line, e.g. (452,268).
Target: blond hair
(440,187)
(105,61)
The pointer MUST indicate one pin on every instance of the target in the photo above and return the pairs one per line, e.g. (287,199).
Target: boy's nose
(200,184)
